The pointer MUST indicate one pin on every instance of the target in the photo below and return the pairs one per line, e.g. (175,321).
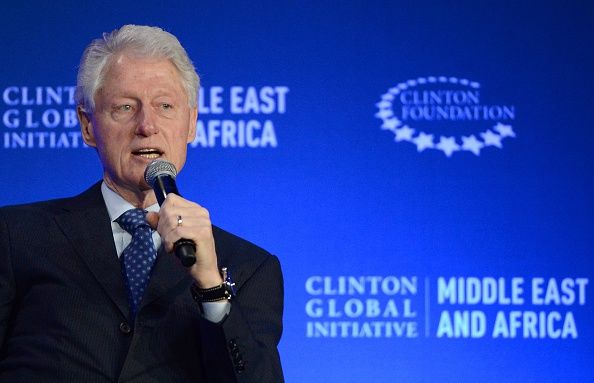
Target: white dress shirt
(116,206)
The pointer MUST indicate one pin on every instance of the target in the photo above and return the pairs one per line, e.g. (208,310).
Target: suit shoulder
(232,248)
(53,207)
(39,208)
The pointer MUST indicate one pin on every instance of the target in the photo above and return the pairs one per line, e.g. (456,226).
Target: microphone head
(158,168)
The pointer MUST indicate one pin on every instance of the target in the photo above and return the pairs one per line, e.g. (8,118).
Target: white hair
(142,41)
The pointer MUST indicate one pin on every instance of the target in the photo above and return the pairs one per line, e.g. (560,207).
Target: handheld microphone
(160,175)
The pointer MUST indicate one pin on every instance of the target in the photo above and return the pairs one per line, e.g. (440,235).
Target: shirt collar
(116,205)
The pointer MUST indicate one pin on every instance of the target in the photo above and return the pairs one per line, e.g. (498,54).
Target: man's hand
(197,227)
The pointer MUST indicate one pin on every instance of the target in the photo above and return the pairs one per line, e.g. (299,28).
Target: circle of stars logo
(474,143)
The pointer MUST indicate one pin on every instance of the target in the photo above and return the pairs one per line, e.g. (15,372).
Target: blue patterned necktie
(138,257)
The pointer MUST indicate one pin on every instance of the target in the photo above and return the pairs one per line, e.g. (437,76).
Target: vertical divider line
(427,308)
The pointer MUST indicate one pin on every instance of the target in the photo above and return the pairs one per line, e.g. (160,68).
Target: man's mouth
(150,153)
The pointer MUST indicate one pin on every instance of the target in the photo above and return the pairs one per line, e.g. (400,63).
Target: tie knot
(132,220)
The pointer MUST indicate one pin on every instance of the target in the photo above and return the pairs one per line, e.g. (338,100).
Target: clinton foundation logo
(448,114)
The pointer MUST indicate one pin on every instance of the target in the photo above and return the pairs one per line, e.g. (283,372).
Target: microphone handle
(164,184)
(185,249)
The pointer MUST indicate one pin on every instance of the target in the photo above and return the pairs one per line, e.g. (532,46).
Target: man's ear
(86,126)
(192,127)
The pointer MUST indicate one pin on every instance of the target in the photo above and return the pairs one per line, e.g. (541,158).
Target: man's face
(141,113)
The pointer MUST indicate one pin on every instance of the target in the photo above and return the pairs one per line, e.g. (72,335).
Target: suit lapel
(86,225)
(167,272)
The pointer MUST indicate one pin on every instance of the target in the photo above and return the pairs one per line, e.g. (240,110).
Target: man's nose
(146,122)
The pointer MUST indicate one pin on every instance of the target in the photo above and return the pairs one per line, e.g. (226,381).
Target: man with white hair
(89,290)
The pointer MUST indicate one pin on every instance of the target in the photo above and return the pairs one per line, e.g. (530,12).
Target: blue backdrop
(423,170)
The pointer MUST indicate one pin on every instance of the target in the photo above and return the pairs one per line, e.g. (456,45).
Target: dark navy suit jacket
(64,315)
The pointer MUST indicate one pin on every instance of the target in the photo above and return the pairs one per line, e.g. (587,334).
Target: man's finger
(153,219)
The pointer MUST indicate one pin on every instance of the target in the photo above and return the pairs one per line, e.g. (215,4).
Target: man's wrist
(224,291)
(208,279)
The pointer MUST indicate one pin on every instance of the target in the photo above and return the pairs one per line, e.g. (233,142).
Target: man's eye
(124,108)
(166,106)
